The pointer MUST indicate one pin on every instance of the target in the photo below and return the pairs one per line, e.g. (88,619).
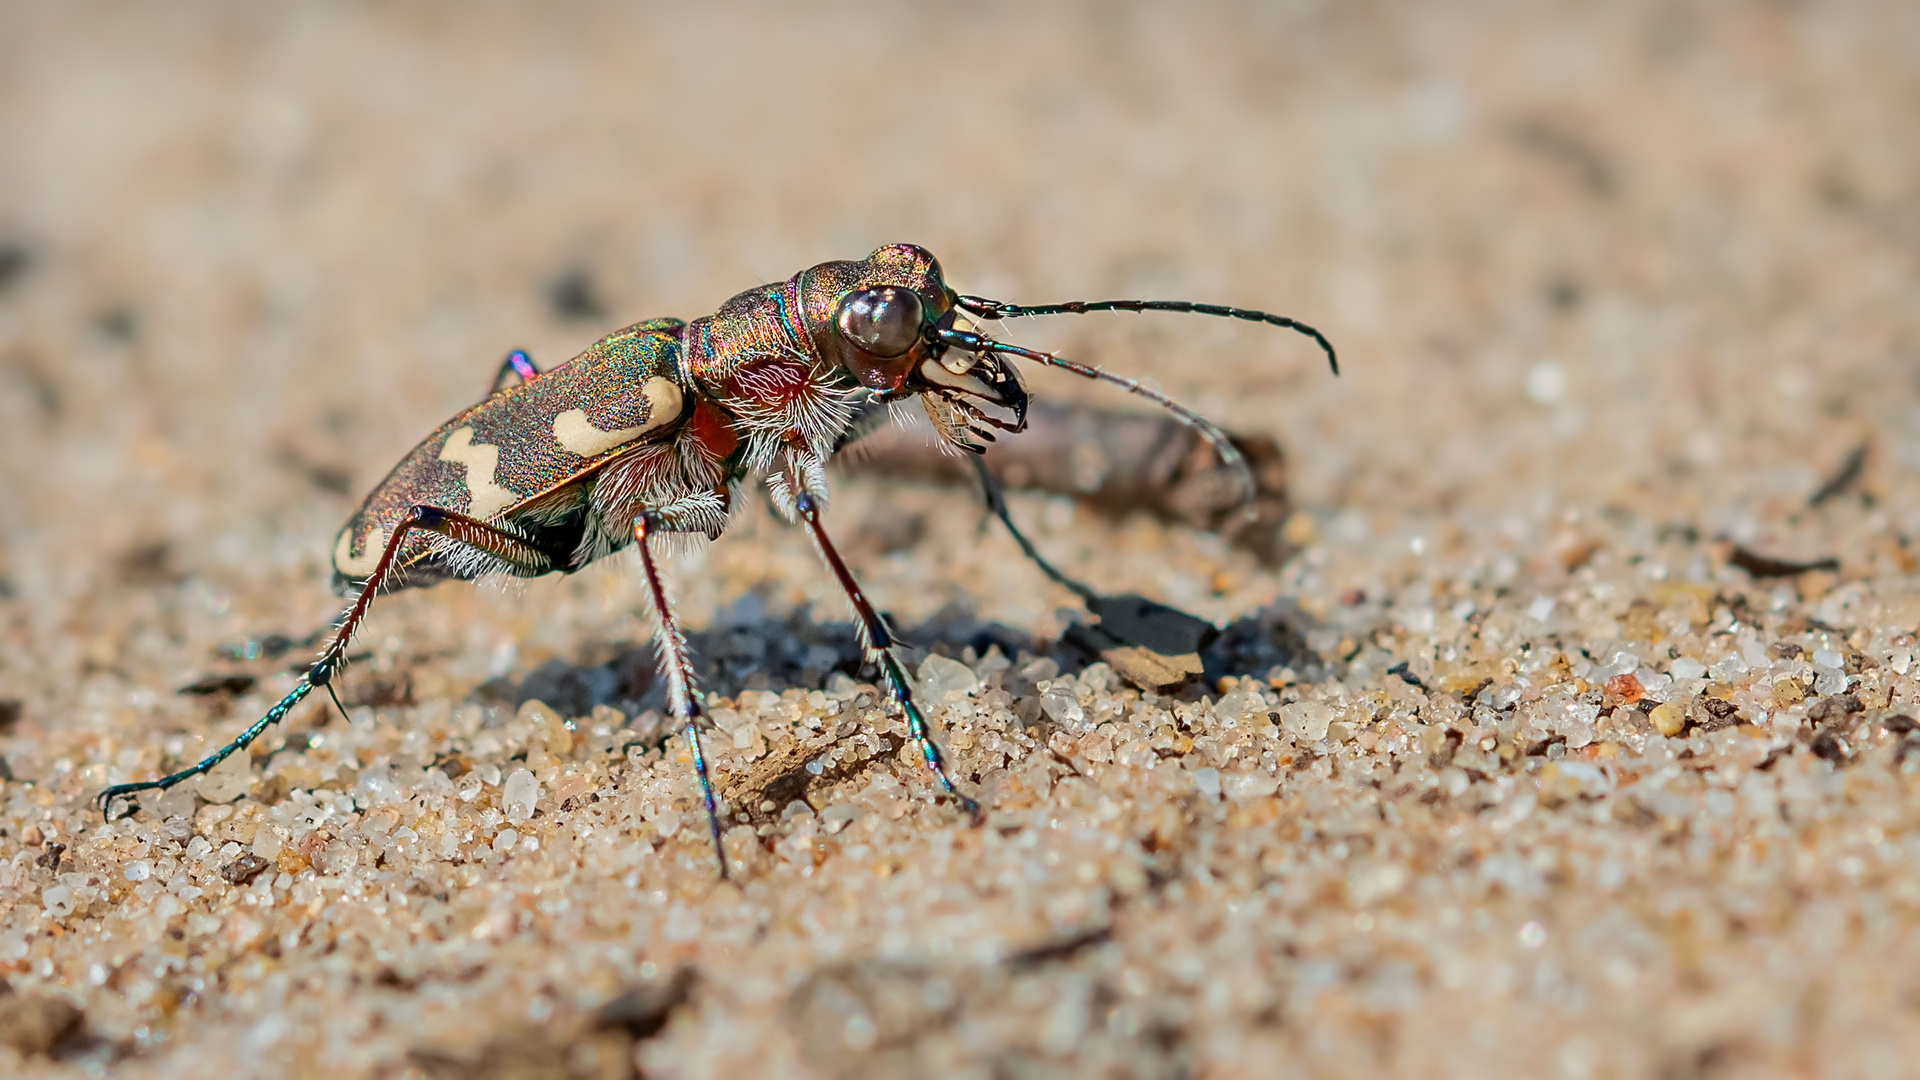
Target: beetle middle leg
(678,664)
(489,540)
(879,642)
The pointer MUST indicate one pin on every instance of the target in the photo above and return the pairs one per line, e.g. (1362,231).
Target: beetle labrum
(653,429)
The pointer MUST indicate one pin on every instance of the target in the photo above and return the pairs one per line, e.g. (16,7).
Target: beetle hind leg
(517,368)
(463,530)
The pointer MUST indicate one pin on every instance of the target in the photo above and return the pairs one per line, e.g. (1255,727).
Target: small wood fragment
(779,776)
(1150,670)
(216,684)
(1765,566)
(244,869)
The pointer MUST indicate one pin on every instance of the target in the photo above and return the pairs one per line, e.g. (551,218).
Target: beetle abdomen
(521,448)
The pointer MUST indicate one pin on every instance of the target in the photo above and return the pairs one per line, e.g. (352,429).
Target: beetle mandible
(654,428)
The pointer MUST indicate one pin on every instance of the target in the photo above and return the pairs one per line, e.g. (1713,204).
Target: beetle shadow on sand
(749,648)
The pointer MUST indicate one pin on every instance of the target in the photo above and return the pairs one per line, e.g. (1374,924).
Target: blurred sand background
(1616,287)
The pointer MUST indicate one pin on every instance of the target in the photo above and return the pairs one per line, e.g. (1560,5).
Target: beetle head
(889,321)
(883,318)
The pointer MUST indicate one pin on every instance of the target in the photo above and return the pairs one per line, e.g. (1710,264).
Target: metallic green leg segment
(455,526)
(879,649)
(685,700)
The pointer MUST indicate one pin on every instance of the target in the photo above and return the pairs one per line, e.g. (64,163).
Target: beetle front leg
(879,643)
(671,646)
(996,498)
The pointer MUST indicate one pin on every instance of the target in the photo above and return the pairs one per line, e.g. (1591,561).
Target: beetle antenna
(1222,444)
(983,308)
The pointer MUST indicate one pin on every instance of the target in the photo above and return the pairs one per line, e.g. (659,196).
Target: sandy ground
(1619,289)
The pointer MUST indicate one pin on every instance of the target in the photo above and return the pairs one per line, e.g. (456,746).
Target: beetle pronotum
(654,428)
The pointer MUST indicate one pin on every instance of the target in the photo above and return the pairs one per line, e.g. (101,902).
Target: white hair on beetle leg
(910,414)
(684,523)
(680,545)
(818,412)
(693,512)
(678,481)
(464,561)
(671,654)
(949,423)
(803,473)
(503,587)
(781,493)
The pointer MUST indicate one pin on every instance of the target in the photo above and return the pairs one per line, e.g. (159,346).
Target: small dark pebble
(1717,708)
(1765,566)
(118,324)
(11,709)
(14,261)
(1405,671)
(572,295)
(1784,650)
(37,1023)
(379,691)
(1539,749)
(393,980)
(1901,724)
(149,563)
(272,647)
(244,869)
(1059,949)
(644,1010)
(49,856)
(1837,707)
(1563,294)
(1151,625)
(1843,478)
(209,685)
(1829,746)
(1449,745)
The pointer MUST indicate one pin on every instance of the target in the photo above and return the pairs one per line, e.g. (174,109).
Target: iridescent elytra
(654,428)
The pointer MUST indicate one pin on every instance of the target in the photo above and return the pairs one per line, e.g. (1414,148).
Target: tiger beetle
(653,430)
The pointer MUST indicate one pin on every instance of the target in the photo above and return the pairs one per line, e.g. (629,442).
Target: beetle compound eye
(883,321)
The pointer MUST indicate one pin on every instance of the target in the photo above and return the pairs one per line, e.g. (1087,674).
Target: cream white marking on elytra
(485,498)
(374,544)
(581,438)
